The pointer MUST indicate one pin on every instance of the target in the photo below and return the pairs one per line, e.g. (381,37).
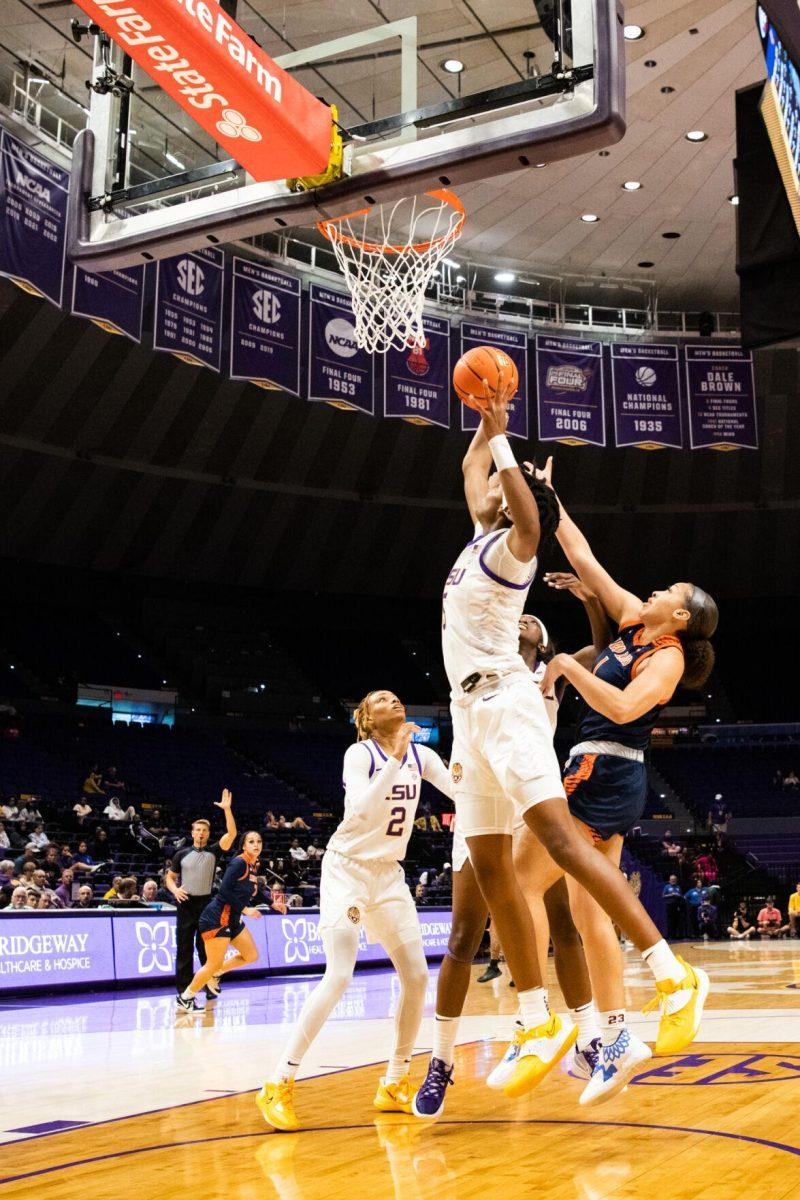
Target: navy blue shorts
(221,931)
(606,792)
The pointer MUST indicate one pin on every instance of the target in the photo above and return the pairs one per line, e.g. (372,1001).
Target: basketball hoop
(387,271)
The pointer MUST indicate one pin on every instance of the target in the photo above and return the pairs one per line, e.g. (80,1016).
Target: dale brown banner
(261,116)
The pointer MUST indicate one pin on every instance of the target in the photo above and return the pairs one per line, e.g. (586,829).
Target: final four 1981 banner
(416,381)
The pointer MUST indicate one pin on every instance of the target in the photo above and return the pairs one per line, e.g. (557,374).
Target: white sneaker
(539,1050)
(505,1068)
(617,1065)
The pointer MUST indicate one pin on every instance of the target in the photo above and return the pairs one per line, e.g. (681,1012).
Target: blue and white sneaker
(583,1063)
(429,1100)
(616,1067)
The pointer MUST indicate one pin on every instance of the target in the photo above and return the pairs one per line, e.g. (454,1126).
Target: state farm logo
(234,125)
(341,337)
(191,277)
(155,940)
(266,306)
(296,937)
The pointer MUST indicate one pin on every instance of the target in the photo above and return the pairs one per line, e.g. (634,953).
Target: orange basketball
(477,374)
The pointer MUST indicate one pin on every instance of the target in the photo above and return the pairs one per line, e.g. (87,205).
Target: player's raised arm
(475,467)
(602,630)
(523,539)
(651,688)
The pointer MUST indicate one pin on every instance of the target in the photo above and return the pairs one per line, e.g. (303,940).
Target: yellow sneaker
(538,1051)
(275,1102)
(393,1097)
(681,1009)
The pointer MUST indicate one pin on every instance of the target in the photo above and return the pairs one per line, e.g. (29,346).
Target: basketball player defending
(363,882)
(503,762)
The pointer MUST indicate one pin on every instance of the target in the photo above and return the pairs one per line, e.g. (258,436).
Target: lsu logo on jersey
(457,772)
(354,914)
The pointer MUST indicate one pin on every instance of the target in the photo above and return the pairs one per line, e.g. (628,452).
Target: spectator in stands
(40,878)
(315,850)
(52,864)
(39,838)
(10,810)
(19,900)
(25,876)
(113,891)
(101,847)
(150,893)
(420,892)
(669,847)
(29,814)
(126,895)
(39,900)
(297,823)
(92,784)
(6,871)
(83,811)
(278,898)
(85,897)
(112,784)
(742,925)
(707,919)
(794,910)
(706,865)
(271,822)
(673,901)
(115,812)
(5,843)
(694,898)
(64,889)
(443,883)
(791,780)
(718,815)
(82,859)
(297,852)
(770,921)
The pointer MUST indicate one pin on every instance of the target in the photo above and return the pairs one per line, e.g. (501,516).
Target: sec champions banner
(722,398)
(265,327)
(569,381)
(188,316)
(515,345)
(416,381)
(338,371)
(33,213)
(647,403)
(114,300)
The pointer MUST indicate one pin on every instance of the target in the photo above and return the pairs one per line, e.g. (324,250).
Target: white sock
(533,1007)
(286,1069)
(445,1030)
(585,1017)
(612,1024)
(663,963)
(188,993)
(396,1068)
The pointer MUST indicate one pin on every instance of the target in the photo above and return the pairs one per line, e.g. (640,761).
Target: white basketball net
(388,256)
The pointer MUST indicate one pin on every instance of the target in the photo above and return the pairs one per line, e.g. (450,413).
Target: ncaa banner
(113,300)
(571,401)
(217,74)
(515,345)
(33,212)
(647,398)
(416,382)
(265,327)
(722,398)
(339,372)
(188,313)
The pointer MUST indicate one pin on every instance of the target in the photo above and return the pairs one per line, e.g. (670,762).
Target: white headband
(545,634)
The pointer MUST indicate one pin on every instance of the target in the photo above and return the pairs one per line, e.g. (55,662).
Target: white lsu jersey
(381,798)
(484,598)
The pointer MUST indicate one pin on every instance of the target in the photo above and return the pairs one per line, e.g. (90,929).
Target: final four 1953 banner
(338,371)
(722,398)
(515,344)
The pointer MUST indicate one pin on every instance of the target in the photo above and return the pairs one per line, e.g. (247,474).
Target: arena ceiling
(701,50)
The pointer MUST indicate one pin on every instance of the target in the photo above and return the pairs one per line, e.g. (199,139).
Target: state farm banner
(647,397)
(338,371)
(722,398)
(416,382)
(216,73)
(265,327)
(114,300)
(33,213)
(569,382)
(188,312)
(515,345)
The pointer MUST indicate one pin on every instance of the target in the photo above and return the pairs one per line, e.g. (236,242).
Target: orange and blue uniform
(606,777)
(222,916)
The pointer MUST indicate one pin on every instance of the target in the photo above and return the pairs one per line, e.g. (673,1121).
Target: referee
(190,880)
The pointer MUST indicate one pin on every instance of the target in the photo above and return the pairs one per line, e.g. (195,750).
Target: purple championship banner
(113,300)
(647,397)
(722,398)
(569,384)
(515,345)
(33,212)
(188,312)
(339,373)
(265,327)
(416,382)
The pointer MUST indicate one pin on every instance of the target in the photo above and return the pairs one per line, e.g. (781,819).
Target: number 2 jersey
(380,799)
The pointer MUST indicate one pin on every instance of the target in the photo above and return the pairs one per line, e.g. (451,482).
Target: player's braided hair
(698,653)
(549,512)
(363,719)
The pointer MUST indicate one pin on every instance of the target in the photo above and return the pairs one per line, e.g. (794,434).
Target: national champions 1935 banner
(645,381)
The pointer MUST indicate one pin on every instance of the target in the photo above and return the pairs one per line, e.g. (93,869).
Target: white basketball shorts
(503,761)
(368,892)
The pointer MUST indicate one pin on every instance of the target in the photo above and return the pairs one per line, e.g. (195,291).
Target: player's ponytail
(549,512)
(363,719)
(698,653)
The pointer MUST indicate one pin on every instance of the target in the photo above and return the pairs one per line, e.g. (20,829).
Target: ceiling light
(696,135)
(453,65)
(461,279)
(734,200)
(539,165)
(633,33)
(667,90)
(590,218)
(632,185)
(449,262)
(650,62)
(505,277)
